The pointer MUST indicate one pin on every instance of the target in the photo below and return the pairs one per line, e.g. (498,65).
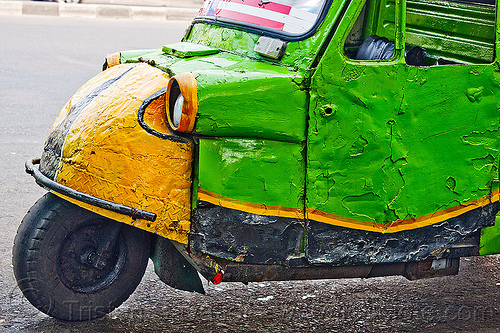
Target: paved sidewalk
(120,9)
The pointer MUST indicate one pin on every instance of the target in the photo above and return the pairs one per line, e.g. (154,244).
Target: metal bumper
(43,181)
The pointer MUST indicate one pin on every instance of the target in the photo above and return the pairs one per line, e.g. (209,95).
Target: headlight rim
(111,60)
(187,87)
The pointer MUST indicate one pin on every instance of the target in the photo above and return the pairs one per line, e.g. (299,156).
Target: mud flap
(173,269)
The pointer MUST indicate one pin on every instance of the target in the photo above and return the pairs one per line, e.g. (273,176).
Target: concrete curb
(14,8)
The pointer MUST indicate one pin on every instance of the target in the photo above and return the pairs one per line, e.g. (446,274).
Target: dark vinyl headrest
(375,48)
(379,48)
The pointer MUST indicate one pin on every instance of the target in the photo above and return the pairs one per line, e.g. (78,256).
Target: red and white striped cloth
(269,15)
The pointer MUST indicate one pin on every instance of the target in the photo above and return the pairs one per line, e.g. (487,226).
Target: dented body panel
(400,142)
(317,154)
(96,146)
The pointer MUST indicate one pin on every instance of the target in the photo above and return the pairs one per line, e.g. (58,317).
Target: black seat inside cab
(379,48)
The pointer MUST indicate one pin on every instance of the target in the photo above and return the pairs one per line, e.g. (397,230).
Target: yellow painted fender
(107,153)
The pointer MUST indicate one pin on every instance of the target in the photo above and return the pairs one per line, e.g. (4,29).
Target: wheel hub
(80,268)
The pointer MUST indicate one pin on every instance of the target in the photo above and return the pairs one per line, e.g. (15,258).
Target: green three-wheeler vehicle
(279,140)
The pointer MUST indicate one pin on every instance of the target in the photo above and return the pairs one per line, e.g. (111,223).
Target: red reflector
(217,278)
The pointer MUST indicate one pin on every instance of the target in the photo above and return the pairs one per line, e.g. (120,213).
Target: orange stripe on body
(324,217)
(248,207)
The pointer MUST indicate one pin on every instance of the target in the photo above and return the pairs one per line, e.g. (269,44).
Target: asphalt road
(43,61)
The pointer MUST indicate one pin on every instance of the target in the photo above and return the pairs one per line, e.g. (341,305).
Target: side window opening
(452,32)
(373,34)
(355,37)
(438,32)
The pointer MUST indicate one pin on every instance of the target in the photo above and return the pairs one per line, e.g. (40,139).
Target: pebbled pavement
(118,9)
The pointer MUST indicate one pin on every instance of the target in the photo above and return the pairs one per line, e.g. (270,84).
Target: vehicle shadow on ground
(464,303)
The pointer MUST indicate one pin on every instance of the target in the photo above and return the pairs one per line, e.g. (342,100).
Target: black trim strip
(332,32)
(69,192)
(140,119)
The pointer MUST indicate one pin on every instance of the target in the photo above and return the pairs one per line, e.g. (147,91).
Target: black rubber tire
(50,276)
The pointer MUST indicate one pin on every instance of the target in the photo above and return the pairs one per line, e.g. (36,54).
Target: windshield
(295,17)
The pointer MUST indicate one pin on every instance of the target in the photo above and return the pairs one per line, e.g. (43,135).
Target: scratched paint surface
(390,142)
(243,98)
(382,138)
(270,173)
(239,97)
(385,141)
(241,92)
(250,104)
(107,154)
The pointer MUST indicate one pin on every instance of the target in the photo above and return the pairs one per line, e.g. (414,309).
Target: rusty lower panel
(244,237)
(328,244)
(256,239)
(423,269)
(240,272)
(257,273)
(236,272)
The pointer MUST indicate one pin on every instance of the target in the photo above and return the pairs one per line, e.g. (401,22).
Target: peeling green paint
(385,140)
(451,183)
(474,94)
(490,239)
(253,171)
(422,144)
(298,54)
(250,104)
(358,146)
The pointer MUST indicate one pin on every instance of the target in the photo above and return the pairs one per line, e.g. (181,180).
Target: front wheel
(49,246)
